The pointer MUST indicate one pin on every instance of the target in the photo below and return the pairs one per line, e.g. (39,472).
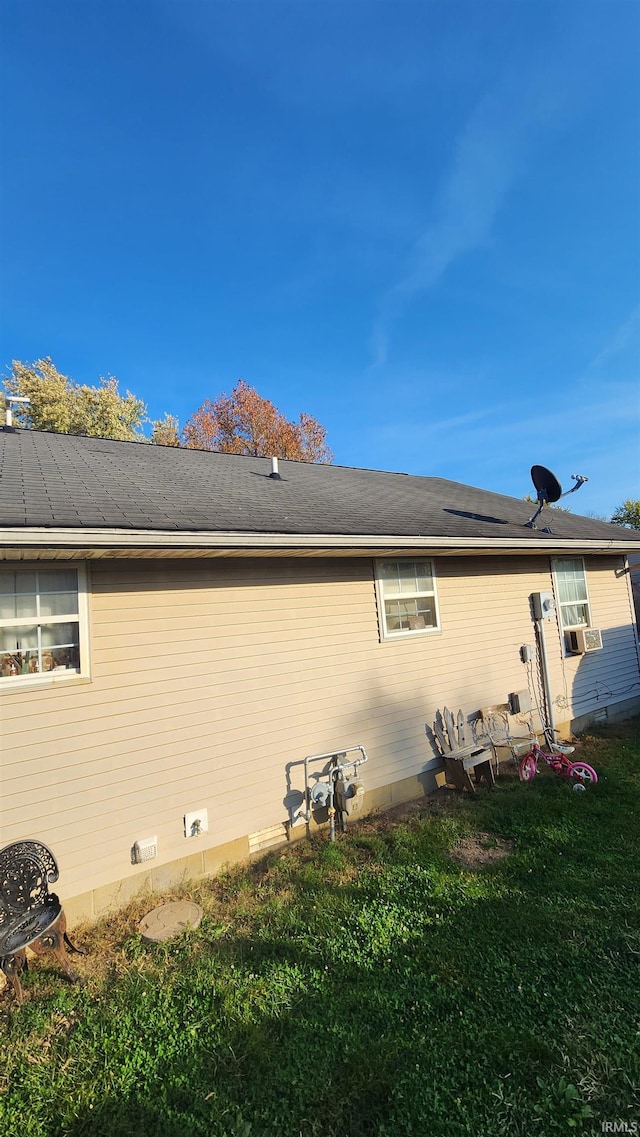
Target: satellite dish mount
(549,490)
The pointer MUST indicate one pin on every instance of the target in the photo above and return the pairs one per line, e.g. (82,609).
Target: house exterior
(181,629)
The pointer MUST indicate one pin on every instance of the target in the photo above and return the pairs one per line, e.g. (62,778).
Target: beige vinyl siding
(204,686)
(600,678)
(209,678)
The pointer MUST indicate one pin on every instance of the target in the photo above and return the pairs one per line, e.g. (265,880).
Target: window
(407,597)
(41,623)
(571,591)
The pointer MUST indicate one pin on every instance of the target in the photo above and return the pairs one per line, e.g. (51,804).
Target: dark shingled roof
(72,482)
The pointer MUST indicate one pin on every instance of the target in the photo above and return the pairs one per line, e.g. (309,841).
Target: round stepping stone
(169,920)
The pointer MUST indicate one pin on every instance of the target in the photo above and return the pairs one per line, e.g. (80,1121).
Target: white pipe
(9,399)
(546,681)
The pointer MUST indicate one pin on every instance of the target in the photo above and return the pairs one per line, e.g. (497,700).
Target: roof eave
(99,541)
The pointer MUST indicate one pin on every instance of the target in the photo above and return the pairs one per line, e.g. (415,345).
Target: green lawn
(371,987)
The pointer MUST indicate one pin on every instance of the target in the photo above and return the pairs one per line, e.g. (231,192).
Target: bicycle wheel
(527,768)
(582,774)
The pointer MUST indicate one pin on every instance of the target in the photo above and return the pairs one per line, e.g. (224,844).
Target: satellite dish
(547,485)
(549,490)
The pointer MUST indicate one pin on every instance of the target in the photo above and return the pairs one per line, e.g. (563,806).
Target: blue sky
(417,221)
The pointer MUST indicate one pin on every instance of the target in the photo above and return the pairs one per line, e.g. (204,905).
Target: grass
(370,987)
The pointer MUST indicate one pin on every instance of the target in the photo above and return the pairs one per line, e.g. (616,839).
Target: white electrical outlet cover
(196,823)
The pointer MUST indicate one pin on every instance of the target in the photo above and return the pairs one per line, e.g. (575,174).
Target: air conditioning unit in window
(582,640)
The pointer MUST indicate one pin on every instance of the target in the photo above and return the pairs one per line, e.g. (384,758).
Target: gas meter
(349,796)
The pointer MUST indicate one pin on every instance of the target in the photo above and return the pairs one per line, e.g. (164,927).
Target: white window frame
(59,675)
(562,604)
(404,633)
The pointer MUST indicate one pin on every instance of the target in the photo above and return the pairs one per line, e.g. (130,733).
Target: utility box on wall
(519,702)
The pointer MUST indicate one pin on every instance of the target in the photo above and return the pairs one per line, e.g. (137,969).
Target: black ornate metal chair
(30,915)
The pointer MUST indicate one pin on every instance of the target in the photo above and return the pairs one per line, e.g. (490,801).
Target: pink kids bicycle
(580,774)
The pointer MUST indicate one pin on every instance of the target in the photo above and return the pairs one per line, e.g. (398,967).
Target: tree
(59,404)
(627,514)
(166,431)
(245,423)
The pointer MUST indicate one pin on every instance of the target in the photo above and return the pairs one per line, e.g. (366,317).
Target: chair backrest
(495,722)
(27,868)
(449,732)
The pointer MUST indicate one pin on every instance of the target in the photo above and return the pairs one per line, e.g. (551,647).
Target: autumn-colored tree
(245,423)
(627,514)
(166,431)
(58,404)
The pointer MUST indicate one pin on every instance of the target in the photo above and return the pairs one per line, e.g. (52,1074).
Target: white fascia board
(122,539)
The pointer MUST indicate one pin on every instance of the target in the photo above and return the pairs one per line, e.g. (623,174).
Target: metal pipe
(334,774)
(546,681)
(9,400)
(331,810)
(334,770)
